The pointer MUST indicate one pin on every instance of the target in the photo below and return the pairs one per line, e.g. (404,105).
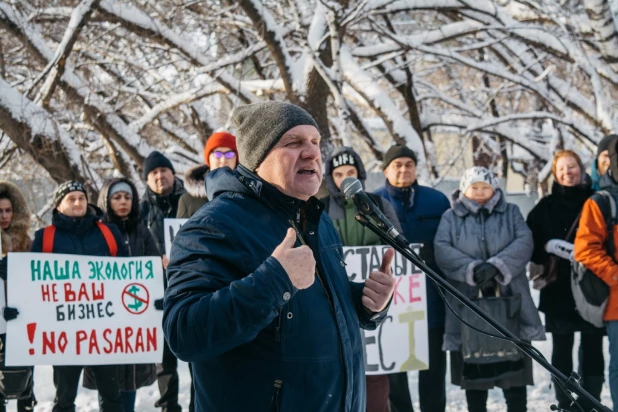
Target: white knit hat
(478,174)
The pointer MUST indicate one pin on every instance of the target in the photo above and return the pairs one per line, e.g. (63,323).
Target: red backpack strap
(109,238)
(48,238)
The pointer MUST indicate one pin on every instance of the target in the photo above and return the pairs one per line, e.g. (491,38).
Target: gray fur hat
(260,126)
(478,174)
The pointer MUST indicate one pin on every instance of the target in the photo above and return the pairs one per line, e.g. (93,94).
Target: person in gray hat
(259,300)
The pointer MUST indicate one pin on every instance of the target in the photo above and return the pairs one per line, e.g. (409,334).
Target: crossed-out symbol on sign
(135,298)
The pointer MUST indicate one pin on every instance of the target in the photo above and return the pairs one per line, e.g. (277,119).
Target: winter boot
(593,385)
(564,402)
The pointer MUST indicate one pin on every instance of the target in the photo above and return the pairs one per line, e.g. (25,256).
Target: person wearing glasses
(220,151)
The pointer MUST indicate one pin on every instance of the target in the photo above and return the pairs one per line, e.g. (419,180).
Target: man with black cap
(600,165)
(419,209)
(258,299)
(160,201)
(76,230)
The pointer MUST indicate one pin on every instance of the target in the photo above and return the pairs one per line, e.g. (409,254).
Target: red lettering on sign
(414,285)
(110,346)
(49,293)
(80,336)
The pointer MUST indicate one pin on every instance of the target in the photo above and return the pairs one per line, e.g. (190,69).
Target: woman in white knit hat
(483,244)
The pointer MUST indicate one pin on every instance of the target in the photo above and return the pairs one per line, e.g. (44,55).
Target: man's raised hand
(298,262)
(379,285)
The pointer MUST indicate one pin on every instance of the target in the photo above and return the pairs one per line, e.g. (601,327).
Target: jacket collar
(75,225)
(157,199)
(463,206)
(399,193)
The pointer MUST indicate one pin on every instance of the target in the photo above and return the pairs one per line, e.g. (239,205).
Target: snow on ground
(540,396)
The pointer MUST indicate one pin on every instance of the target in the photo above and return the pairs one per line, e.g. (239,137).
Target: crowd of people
(257,298)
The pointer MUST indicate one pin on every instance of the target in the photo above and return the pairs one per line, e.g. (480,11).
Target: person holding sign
(160,201)
(345,162)
(258,298)
(419,209)
(77,230)
(220,151)
(119,202)
(14,227)
(483,246)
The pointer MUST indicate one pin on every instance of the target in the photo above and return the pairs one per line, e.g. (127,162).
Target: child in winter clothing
(483,243)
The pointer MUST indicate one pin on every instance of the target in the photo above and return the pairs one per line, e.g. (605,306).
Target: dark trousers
(192,401)
(377,393)
(516,400)
(23,405)
(167,378)
(128,398)
(591,362)
(66,381)
(431,382)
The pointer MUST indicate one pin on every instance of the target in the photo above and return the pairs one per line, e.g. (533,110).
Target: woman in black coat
(120,204)
(553,223)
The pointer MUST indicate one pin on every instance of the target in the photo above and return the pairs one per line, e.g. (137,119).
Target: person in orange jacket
(590,249)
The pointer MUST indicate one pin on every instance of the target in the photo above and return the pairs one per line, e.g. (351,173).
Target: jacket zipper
(330,303)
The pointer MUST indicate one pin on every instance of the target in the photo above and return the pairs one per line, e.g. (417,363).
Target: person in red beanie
(220,151)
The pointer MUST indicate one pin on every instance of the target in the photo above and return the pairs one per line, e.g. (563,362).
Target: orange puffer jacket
(591,250)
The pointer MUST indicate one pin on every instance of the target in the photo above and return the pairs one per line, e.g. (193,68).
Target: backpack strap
(48,238)
(109,238)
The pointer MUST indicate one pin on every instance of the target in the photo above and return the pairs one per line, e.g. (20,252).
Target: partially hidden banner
(400,343)
(83,310)
(170,229)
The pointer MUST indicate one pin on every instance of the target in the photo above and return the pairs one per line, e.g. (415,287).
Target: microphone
(353,189)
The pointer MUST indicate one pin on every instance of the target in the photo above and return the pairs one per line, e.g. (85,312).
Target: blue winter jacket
(79,236)
(419,209)
(254,341)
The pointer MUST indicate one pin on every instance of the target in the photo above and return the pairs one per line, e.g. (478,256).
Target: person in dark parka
(258,299)
(550,221)
(344,162)
(220,151)
(160,201)
(77,233)
(119,202)
(419,209)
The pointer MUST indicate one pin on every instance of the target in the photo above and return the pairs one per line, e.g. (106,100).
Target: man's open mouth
(306,171)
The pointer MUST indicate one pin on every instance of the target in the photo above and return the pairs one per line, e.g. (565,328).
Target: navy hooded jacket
(419,209)
(254,341)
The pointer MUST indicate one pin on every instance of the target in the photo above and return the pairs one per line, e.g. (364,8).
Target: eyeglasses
(228,155)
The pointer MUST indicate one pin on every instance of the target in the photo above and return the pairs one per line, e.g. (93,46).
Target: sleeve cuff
(277,279)
(505,276)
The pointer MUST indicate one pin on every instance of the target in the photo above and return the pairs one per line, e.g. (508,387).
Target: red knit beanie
(219,139)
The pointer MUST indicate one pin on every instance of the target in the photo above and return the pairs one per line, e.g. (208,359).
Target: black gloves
(484,273)
(9,313)
(158,304)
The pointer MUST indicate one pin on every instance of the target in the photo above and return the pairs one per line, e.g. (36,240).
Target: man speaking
(258,298)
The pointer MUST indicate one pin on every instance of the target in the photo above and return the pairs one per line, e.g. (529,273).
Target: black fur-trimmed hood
(195,179)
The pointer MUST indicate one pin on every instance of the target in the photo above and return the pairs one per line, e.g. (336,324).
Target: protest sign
(170,228)
(400,343)
(2,305)
(84,310)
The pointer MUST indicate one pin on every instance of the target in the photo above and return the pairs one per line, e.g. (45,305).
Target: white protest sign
(2,305)
(84,310)
(170,228)
(400,342)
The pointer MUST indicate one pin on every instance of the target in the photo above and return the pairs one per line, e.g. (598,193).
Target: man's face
(161,181)
(294,164)
(74,204)
(6,213)
(342,172)
(401,172)
(603,162)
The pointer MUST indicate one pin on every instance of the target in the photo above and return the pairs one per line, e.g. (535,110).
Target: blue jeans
(612,334)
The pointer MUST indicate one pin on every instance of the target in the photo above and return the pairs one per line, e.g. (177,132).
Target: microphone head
(350,186)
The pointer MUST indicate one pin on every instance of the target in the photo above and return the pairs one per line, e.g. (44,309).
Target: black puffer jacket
(550,219)
(154,208)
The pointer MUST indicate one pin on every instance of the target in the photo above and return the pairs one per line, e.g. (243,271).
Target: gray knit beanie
(259,127)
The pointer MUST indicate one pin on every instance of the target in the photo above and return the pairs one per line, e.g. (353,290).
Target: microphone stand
(571,383)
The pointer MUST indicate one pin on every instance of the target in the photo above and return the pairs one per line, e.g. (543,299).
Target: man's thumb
(387,260)
(290,239)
